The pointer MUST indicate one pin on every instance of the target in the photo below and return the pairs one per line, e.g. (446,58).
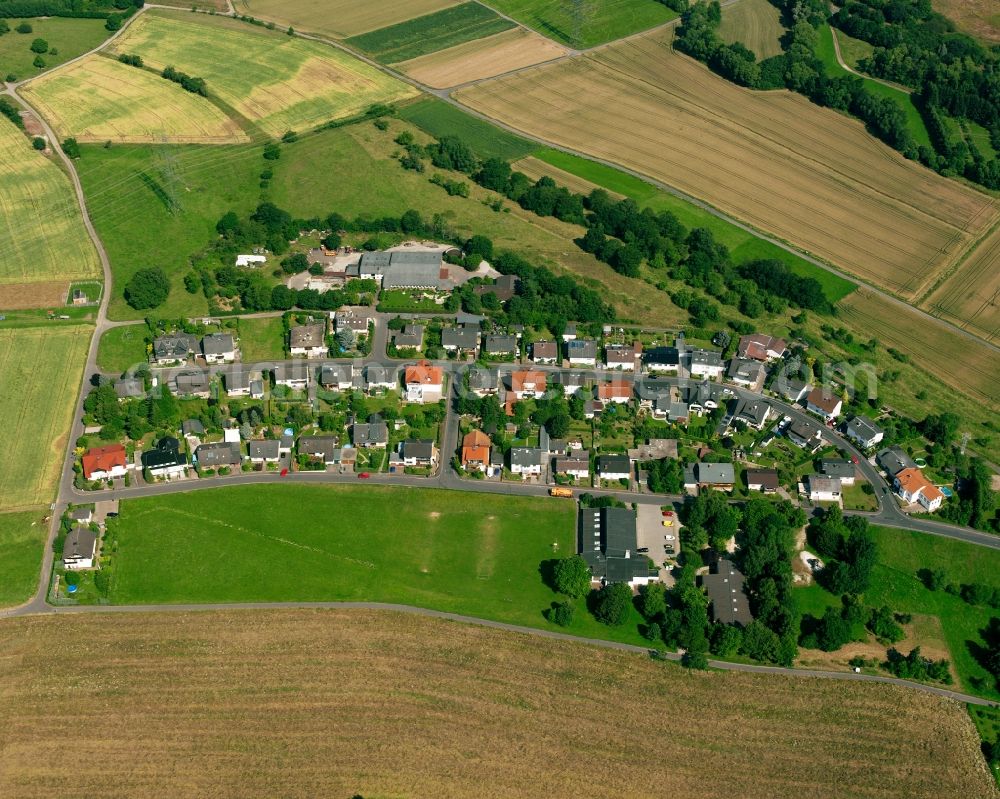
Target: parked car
(643,549)
(364,476)
(667,513)
(669,537)
(854,459)
(284,472)
(667,523)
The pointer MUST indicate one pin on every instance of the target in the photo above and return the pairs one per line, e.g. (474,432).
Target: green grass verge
(70,37)
(853,50)
(22,538)
(431,32)
(743,245)
(979,136)
(270,543)
(439,118)
(121,348)
(987,721)
(586,24)
(827,55)
(901,554)
(262,339)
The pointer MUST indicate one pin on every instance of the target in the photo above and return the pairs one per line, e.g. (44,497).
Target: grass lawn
(901,553)
(22,537)
(979,136)
(431,32)
(439,118)
(596,22)
(435,549)
(743,245)
(826,54)
(262,339)
(120,348)
(855,497)
(853,50)
(69,37)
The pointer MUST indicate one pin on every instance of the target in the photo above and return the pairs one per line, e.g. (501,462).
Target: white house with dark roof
(463,339)
(582,352)
(753,413)
(825,403)
(706,363)
(838,468)
(292,375)
(264,450)
(614,467)
(219,348)
(526,461)
(308,341)
(863,432)
(79,549)
(824,489)
(747,373)
(172,348)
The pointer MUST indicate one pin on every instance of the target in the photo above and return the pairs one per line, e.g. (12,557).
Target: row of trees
(94,9)
(187,82)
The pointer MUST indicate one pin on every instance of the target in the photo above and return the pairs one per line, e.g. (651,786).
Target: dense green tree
(611,605)
(147,288)
(571,576)
(39,46)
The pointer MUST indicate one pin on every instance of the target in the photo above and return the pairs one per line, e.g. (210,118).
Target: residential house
(791,389)
(484,381)
(405,269)
(323,449)
(545,352)
(569,332)
(130,388)
(893,460)
(173,348)
(192,427)
(308,340)
(753,413)
(411,337)
(616,391)
(761,347)
(582,352)
(264,450)
(193,384)
(678,412)
(576,465)
(526,461)
(608,541)
(625,357)
(423,454)
(81,515)
(475,451)
(371,434)
(380,378)
(864,432)
(592,408)
(662,359)
(720,476)
(823,402)
(838,468)
(706,363)
(424,383)
(215,456)
(337,376)
(237,382)
(354,319)
(614,467)
(286,443)
(464,340)
(528,383)
(804,434)
(747,373)
(292,375)
(569,382)
(251,261)
(463,319)
(498,346)
(165,460)
(704,396)
(504,287)
(105,463)
(824,489)
(763,480)
(219,348)
(79,549)
(724,586)
(912,486)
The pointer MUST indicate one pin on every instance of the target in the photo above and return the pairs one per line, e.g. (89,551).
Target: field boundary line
(539,632)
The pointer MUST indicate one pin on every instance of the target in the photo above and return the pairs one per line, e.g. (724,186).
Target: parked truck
(560,492)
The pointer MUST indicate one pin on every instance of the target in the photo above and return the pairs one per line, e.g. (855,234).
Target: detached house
(219,348)
(337,377)
(214,456)
(237,382)
(129,388)
(528,384)
(912,486)
(419,453)
(582,352)
(292,375)
(893,460)
(308,341)
(804,434)
(475,451)
(662,359)
(576,465)
(483,382)
(747,373)
(824,403)
(264,450)
(526,461)
(193,384)
(354,319)
(545,352)
(463,340)
(763,480)
(170,349)
(761,347)
(105,463)
(824,489)
(569,382)
(623,356)
(839,469)
(617,391)
(80,549)
(411,337)
(497,346)
(371,434)
(753,413)
(165,461)
(424,383)
(380,378)
(614,467)
(706,363)
(720,476)
(863,432)
(323,449)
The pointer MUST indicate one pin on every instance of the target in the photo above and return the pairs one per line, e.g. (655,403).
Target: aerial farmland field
(807,175)
(22,537)
(483,58)
(970,297)
(42,236)
(428,34)
(339,18)
(289,84)
(70,37)
(100,99)
(755,23)
(42,368)
(335,703)
(586,24)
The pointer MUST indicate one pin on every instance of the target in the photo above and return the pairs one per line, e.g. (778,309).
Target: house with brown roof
(424,382)
(528,383)
(623,356)
(475,451)
(761,347)
(763,480)
(104,463)
(824,402)
(308,340)
(545,352)
(912,486)
(616,391)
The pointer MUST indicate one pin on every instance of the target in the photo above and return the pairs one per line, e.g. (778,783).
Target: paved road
(514,628)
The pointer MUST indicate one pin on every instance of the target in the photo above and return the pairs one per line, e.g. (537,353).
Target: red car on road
(284,472)
(364,476)
(668,513)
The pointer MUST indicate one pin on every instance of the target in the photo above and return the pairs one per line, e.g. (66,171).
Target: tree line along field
(586,24)
(289,84)
(42,368)
(339,18)
(805,174)
(100,99)
(302,702)
(42,236)
(68,37)
(970,296)
(483,58)
(755,23)
(428,34)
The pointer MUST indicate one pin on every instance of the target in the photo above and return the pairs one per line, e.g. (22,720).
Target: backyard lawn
(262,339)
(121,348)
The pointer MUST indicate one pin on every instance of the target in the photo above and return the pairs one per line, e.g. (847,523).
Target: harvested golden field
(978,17)
(340,18)
(304,703)
(964,364)
(971,296)
(18,296)
(536,168)
(289,84)
(100,99)
(482,58)
(755,23)
(805,174)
